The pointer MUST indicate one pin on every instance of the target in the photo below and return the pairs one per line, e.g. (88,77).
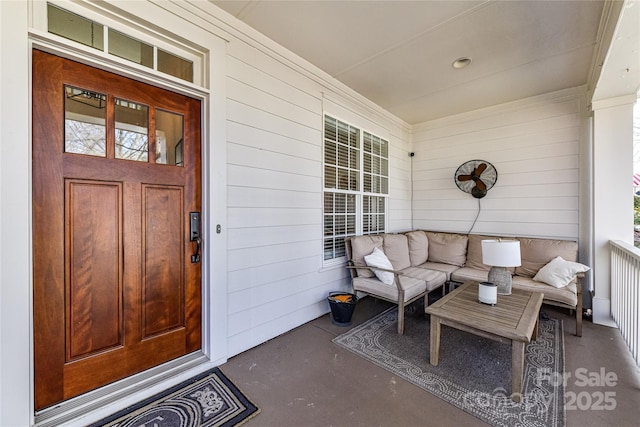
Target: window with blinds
(356,185)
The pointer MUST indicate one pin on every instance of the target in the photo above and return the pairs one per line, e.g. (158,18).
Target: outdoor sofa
(415,263)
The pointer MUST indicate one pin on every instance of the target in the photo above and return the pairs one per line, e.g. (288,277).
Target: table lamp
(500,254)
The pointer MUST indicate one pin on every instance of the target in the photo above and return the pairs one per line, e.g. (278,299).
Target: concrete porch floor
(302,379)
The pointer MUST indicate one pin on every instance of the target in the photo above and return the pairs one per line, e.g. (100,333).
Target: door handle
(194,234)
(195,258)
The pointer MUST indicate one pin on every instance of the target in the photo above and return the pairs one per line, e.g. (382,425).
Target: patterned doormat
(474,373)
(208,400)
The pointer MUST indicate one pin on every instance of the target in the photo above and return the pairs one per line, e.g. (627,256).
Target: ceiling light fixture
(461,62)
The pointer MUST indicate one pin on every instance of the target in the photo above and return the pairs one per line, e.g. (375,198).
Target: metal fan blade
(465,178)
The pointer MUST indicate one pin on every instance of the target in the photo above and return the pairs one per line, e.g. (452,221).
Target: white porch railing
(625,293)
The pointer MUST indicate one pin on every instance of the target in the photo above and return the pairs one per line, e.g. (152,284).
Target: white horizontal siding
(534,145)
(272,319)
(253,257)
(246,237)
(257,158)
(269,122)
(281,86)
(399,217)
(270,274)
(245,176)
(275,275)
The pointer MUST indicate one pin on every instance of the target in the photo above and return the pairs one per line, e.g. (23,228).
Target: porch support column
(16,408)
(612,193)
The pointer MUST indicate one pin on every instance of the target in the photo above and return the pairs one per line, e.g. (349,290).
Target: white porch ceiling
(398,54)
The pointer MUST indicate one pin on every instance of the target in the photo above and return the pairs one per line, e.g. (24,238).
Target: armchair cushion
(559,272)
(377,258)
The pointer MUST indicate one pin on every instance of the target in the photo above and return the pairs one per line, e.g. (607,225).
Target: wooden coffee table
(513,320)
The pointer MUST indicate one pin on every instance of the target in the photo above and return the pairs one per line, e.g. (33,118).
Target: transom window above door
(93,119)
(90,33)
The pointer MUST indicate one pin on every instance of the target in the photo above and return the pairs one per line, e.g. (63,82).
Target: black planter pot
(341,311)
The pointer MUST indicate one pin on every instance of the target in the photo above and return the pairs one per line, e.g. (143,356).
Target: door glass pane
(169,136)
(175,66)
(132,131)
(85,115)
(129,48)
(75,27)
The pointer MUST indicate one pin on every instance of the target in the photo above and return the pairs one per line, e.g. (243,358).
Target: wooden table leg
(517,369)
(434,345)
(534,336)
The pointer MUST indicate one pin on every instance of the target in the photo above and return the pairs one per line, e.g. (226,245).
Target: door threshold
(98,404)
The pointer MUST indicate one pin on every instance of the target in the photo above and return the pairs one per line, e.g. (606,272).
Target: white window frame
(378,189)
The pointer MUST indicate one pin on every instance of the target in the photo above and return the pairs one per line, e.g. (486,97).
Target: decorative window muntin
(356,185)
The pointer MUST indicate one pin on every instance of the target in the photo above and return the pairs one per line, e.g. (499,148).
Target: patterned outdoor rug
(208,400)
(474,373)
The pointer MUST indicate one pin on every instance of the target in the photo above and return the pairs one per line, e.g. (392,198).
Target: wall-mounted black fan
(476,177)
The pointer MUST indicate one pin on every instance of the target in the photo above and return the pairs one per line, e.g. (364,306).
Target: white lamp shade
(501,253)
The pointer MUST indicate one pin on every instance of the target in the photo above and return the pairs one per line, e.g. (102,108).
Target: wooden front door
(116,173)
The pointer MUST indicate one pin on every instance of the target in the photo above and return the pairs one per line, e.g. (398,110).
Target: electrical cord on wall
(474,221)
(411,154)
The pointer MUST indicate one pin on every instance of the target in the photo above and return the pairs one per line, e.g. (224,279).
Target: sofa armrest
(579,278)
(396,274)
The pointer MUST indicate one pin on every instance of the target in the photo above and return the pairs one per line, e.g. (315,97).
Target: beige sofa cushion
(361,246)
(412,287)
(440,266)
(396,247)
(566,295)
(434,279)
(418,247)
(474,252)
(536,253)
(465,274)
(448,248)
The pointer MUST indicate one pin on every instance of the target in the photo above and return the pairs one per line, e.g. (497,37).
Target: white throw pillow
(377,258)
(559,272)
